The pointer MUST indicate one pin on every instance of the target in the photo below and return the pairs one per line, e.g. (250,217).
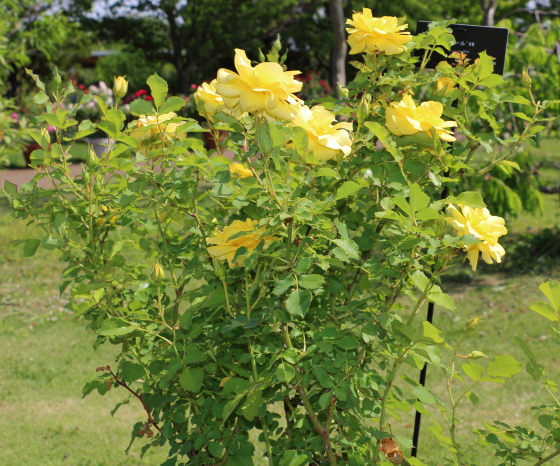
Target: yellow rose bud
(326,140)
(265,89)
(525,78)
(471,325)
(120,87)
(239,171)
(444,86)
(91,159)
(157,273)
(476,355)
(225,248)
(369,34)
(405,118)
(487,228)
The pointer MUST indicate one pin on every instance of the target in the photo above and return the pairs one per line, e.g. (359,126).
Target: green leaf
(324,171)
(292,458)
(348,188)
(159,89)
(473,398)
(11,189)
(386,139)
(132,371)
(298,302)
(424,395)
(545,309)
(264,139)
(30,247)
(431,333)
(349,247)
(347,342)
(534,369)
(551,289)
(215,449)
(471,199)
(428,214)
(252,404)
(401,202)
(300,140)
(418,199)
(277,134)
(368,332)
(230,407)
(420,280)
(473,370)
(285,372)
(173,104)
(311,282)
(140,107)
(441,299)
(50,242)
(191,380)
(492,81)
(503,366)
(282,285)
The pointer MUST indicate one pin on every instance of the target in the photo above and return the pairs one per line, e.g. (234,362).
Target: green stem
(548,458)
(289,240)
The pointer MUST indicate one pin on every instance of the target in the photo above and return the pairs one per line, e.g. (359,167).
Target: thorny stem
(548,458)
(322,430)
(122,383)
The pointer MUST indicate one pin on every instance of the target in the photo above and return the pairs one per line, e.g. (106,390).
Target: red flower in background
(149,98)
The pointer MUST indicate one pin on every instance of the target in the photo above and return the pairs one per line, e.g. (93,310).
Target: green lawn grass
(47,357)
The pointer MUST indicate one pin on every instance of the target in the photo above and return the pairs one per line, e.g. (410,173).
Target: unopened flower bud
(120,87)
(476,355)
(91,159)
(472,324)
(157,273)
(525,78)
(219,269)
(363,111)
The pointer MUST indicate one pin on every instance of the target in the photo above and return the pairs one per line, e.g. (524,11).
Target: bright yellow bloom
(444,86)
(120,86)
(405,118)
(370,34)
(487,228)
(213,102)
(225,248)
(239,171)
(157,128)
(325,139)
(266,88)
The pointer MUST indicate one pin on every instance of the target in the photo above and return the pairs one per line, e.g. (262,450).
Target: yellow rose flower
(325,139)
(405,118)
(478,222)
(239,171)
(213,102)
(266,88)
(157,128)
(444,86)
(225,248)
(370,34)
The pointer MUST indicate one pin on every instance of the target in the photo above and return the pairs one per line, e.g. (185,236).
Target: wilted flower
(487,228)
(156,127)
(370,34)
(225,248)
(239,171)
(405,118)
(325,139)
(120,87)
(444,86)
(265,88)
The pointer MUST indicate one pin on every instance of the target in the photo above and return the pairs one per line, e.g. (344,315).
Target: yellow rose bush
(275,284)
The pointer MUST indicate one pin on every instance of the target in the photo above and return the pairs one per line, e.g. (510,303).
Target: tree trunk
(340,47)
(489,7)
(183,75)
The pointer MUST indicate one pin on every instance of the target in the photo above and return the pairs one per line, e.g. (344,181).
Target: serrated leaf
(283,285)
(173,104)
(503,366)
(424,395)
(11,189)
(401,202)
(348,188)
(132,371)
(418,199)
(298,302)
(191,379)
(545,309)
(349,247)
(471,199)
(324,171)
(431,333)
(252,404)
(140,107)
(420,280)
(158,88)
(293,458)
(441,299)
(551,289)
(473,370)
(285,372)
(534,369)
(311,282)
